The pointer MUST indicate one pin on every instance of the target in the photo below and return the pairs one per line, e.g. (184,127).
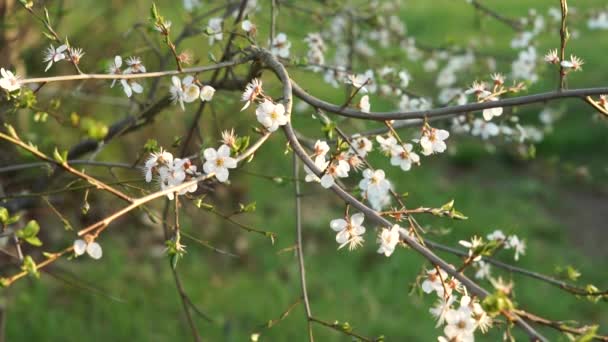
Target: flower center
(219,162)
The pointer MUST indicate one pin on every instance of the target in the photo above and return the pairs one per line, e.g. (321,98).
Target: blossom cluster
(134,66)
(460,323)
(350,230)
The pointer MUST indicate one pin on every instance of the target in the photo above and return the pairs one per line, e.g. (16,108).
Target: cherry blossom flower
(574,63)
(552,57)
(114,68)
(489,113)
(388,239)
(482,320)
(484,129)
(229,138)
(434,282)
(271,115)
(460,325)
(135,66)
(54,55)
(88,245)
(130,86)
(349,231)
(252,91)
(320,164)
(362,146)
(214,28)
(483,270)
(364,105)
(9,81)
(155,160)
(374,183)
(76,54)
(359,81)
(183,90)
(478,89)
(280,46)
(219,162)
(432,140)
(519,246)
(320,150)
(387,145)
(403,157)
(207,93)
(441,308)
(248,27)
(496,235)
(338,168)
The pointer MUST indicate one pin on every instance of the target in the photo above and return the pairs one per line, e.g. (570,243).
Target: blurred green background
(556,201)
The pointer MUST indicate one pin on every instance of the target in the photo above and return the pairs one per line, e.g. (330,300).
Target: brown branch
(557,325)
(444,112)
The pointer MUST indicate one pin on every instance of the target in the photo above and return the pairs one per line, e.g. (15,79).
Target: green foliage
(30,233)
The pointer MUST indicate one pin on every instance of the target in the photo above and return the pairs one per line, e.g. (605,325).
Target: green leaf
(151,145)
(154,12)
(247,208)
(34,241)
(589,334)
(31,229)
(60,157)
(4,215)
(29,266)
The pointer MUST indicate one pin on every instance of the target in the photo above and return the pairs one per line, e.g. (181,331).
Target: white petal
(94,250)
(357,219)
(79,247)
(221,174)
(337,224)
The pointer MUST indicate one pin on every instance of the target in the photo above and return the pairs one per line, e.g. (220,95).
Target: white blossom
(218,162)
(114,68)
(92,248)
(9,81)
(349,231)
(519,246)
(387,145)
(252,91)
(432,141)
(54,55)
(214,29)
(271,115)
(362,146)
(183,90)
(404,157)
(460,325)
(280,46)
(207,93)
(574,63)
(388,239)
(374,183)
(364,105)
(484,129)
(441,308)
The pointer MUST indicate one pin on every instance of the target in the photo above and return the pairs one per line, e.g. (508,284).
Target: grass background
(556,202)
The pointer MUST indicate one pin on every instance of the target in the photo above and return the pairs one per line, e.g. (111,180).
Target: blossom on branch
(349,231)
(54,55)
(271,115)
(218,162)
(9,81)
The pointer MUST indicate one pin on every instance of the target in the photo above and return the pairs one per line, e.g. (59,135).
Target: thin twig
(299,249)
